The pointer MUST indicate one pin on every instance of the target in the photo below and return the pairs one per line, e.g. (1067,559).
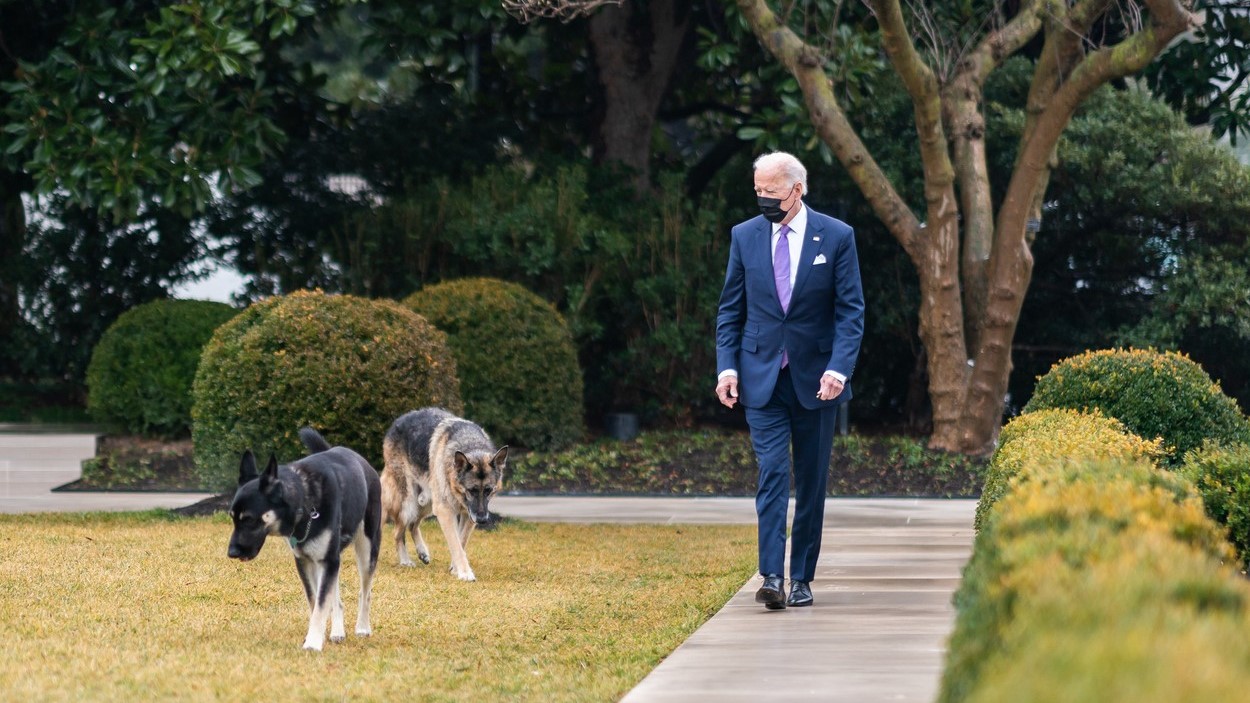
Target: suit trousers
(783,430)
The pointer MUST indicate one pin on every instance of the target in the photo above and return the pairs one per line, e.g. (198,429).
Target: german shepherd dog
(439,464)
(321,504)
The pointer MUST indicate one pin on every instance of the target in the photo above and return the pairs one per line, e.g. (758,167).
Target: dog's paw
(364,633)
(467,576)
(409,562)
(338,638)
(425,558)
(312,646)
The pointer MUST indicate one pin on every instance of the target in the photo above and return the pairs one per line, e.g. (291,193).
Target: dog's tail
(313,440)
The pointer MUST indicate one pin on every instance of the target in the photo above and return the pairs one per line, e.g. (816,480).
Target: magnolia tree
(973,260)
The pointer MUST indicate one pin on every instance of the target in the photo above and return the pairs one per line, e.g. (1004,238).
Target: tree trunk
(636,48)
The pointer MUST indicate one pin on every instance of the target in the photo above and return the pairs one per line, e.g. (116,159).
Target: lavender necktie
(781,277)
(781,268)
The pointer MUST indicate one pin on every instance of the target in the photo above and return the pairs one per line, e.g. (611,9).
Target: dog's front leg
(466,529)
(447,519)
(326,576)
(308,576)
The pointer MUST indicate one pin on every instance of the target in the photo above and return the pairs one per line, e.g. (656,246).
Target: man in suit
(788,331)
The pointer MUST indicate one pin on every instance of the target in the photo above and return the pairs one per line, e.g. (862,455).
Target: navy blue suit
(821,331)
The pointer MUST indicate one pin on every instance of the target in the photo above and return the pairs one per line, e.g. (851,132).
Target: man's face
(772,184)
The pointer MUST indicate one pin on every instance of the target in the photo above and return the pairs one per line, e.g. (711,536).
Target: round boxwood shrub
(1222,475)
(1047,438)
(347,366)
(141,370)
(1155,394)
(518,368)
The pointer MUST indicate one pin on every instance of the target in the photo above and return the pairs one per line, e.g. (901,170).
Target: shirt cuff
(835,374)
(727,372)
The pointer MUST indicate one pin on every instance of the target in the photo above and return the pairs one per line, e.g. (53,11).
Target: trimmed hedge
(517,362)
(1155,394)
(1055,437)
(1050,528)
(1155,621)
(345,365)
(1095,575)
(1222,475)
(141,370)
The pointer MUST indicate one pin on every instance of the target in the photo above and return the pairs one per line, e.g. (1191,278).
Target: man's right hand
(727,391)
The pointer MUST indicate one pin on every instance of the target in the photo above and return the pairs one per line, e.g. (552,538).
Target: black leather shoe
(800,594)
(773,593)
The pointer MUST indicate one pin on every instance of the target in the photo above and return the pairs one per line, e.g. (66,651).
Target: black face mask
(770,208)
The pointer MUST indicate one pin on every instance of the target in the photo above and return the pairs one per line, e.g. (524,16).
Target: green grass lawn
(148,607)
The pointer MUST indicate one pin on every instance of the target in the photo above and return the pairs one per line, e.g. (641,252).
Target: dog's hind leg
(423,552)
(366,563)
(338,632)
(401,545)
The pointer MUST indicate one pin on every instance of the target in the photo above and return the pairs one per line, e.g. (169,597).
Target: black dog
(321,504)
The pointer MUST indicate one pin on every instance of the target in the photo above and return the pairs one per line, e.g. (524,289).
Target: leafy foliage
(141,371)
(1154,394)
(137,100)
(1052,530)
(344,365)
(717,462)
(519,376)
(1048,439)
(1222,475)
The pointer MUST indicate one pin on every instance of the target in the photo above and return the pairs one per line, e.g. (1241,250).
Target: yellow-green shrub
(142,368)
(1222,475)
(345,365)
(1156,621)
(1155,394)
(1053,437)
(1067,519)
(516,358)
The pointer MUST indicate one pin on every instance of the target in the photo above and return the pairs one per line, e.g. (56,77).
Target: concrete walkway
(33,463)
(877,631)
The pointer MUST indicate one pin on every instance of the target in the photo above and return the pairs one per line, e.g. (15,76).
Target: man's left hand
(830,388)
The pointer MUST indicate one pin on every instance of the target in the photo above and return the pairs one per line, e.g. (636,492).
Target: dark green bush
(1222,475)
(140,373)
(1155,394)
(516,360)
(346,366)
(1048,438)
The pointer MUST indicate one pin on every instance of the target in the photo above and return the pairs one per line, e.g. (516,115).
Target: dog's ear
(461,461)
(247,467)
(501,458)
(269,482)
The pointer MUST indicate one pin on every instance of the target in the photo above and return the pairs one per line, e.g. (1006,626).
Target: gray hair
(787,164)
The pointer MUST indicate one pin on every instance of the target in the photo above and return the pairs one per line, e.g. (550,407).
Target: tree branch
(805,64)
(1168,19)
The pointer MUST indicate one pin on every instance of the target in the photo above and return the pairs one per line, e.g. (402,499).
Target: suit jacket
(821,330)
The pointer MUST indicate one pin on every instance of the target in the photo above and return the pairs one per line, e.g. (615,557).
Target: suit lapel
(765,234)
(812,241)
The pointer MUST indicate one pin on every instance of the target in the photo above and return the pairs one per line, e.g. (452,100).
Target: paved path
(882,612)
(33,463)
(877,632)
